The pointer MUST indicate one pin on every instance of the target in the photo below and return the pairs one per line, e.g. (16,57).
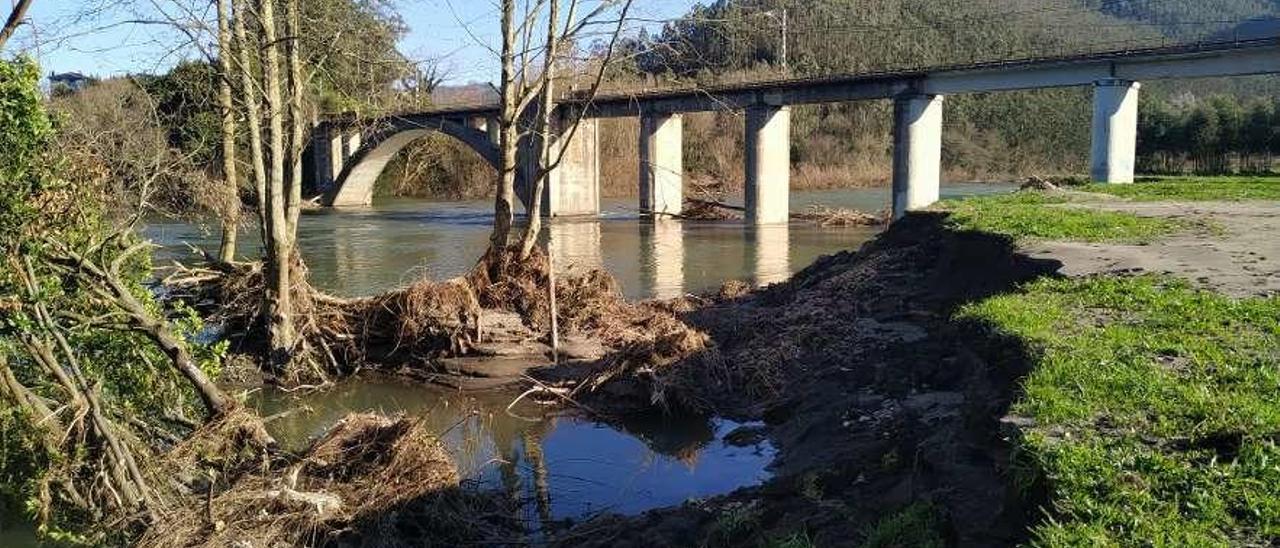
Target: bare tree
(522,85)
(231,207)
(14,21)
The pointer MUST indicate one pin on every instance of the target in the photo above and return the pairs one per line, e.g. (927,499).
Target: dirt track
(1239,255)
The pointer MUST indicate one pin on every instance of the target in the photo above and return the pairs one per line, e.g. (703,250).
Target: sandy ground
(1239,255)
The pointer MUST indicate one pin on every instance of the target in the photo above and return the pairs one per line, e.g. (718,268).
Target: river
(562,465)
(357,252)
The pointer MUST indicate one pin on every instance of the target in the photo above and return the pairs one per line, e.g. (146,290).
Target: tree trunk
(231,209)
(297,134)
(253,113)
(546,133)
(509,136)
(15,19)
(277,301)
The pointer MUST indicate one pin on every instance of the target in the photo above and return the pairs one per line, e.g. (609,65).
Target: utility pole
(780,15)
(784,39)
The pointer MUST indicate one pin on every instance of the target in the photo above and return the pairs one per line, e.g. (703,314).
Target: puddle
(564,466)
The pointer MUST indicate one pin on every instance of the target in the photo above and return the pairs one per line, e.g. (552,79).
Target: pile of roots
(413,324)
(367,472)
(839,216)
(644,339)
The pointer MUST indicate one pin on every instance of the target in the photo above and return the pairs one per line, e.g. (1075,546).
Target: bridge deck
(1235,58)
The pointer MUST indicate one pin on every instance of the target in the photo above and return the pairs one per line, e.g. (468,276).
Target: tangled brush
(367,467)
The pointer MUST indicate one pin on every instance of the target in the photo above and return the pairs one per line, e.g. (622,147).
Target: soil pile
(874,398)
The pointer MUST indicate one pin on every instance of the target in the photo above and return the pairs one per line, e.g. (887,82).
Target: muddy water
(564,466)
(364,251)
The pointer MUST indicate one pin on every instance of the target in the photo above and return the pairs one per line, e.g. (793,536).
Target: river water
(364,251)
(561,465)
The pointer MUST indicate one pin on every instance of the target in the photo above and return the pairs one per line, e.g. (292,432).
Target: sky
(107,43)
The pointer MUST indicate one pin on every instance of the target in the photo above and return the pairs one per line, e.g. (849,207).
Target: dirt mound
(365,468)
(873,397)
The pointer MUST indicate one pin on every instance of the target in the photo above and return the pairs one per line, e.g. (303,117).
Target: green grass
(1156,409)
(915,526)
(1037,215)
(1194,189)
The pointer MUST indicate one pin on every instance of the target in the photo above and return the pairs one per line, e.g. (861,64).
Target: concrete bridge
(350,155)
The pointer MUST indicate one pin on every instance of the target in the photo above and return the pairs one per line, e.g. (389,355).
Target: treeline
(1221,134)
(122,122)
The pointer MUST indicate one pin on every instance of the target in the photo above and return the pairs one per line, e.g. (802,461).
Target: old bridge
(349,155)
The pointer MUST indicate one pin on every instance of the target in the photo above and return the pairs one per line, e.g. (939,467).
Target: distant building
(68,82)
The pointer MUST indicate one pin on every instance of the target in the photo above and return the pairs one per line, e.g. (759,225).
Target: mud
(1236,251)
(873,397)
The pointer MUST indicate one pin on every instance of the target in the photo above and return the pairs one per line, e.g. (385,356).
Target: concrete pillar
(494,128)
(917,152)
(661,164)
(337,153)
(769,253)
(352,145)
(321,160)
(1115,130)
(573,187)
(768,165)
(662,256)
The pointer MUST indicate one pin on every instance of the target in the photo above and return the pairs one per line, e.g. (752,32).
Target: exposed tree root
(410,328)
(367,475)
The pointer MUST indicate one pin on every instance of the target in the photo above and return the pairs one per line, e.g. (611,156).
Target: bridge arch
(364,154)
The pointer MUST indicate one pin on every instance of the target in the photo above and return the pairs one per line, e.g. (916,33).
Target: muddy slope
(874,398)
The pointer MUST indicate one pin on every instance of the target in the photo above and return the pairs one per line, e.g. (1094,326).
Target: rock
(503,326)
(745,436)
(581,348)
(493,368)
(510,349)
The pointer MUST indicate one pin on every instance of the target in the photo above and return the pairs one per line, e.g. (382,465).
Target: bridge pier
(488,125)
(326,158)
(1115,130)
(573,186)
(661,164)
(917,152)
(768,165)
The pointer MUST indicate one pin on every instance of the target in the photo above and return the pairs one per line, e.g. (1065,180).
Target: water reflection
(363,251)
(557,466)
(575,244)
(662,257)
(769,253)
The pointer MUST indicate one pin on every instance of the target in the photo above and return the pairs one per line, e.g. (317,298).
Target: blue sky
(103,44)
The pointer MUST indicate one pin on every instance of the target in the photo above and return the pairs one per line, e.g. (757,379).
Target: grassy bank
(1153,410)
(1150,414)
(1038,215)
(1194,189)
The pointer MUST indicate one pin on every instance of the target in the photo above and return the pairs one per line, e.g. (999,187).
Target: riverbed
(564,466)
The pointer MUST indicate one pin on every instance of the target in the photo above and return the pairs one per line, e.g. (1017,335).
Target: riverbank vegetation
(1194,189)
(1053,215)
(1148,415)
